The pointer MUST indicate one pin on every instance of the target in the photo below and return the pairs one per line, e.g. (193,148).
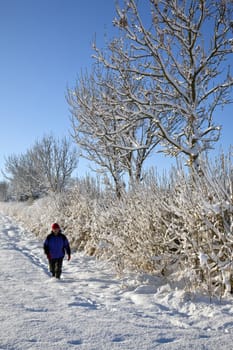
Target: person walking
(56,245)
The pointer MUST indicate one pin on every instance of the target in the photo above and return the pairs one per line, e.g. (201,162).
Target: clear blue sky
(44,44)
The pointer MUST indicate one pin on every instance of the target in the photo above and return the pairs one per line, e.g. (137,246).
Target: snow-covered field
(90,308)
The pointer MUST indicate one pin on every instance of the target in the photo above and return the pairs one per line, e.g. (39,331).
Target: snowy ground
(89,308)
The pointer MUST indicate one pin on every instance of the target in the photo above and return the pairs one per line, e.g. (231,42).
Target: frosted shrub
(202,222)
(35,216)
(183,228)
(77,213)
(132,231)
(179,227)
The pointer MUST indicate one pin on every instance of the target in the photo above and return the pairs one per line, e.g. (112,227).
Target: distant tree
(179,51)
(46,167)
(23,176)
(55,160)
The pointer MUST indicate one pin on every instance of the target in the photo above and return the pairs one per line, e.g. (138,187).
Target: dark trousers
(55,267)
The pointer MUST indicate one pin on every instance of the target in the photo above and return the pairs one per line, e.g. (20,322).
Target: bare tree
(23,176)
(179,51)
(55,160)
(47,166)
(101,130)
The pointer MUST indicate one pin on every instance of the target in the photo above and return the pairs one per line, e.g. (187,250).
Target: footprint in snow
(84,303)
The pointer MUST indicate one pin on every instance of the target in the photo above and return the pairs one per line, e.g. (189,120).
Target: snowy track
(88,309)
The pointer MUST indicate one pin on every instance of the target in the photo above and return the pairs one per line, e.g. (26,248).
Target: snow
(91,308)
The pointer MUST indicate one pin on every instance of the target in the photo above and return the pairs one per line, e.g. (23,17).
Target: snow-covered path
(88,309)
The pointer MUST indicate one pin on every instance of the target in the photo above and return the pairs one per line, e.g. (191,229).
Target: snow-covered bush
(182,225)
(201,220)
(36,216)
(179,227)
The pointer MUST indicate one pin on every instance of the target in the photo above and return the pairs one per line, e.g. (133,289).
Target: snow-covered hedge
(181,226)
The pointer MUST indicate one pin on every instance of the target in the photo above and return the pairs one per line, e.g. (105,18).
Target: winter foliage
(178,227)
